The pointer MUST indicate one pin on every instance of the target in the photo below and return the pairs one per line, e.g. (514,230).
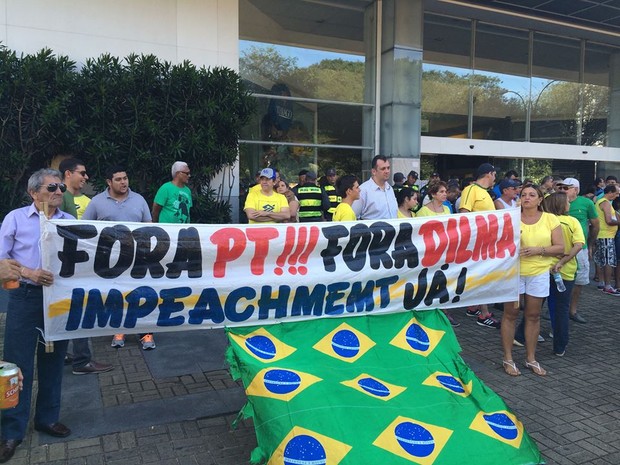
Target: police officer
(313,201)
(328,183)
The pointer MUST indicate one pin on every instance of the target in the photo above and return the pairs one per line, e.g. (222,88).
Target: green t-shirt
(583,209)
(74,205)
(175,203)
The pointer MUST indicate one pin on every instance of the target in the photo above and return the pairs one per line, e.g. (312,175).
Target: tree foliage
(138,112)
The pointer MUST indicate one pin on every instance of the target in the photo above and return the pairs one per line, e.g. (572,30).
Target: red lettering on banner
(433,249)
(306,242)
(453,238)
(230,243)
(463,254)
(506,243)
(289,242)
(261,238)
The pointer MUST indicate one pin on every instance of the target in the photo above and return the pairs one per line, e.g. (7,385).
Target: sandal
(511,368)
(536,368)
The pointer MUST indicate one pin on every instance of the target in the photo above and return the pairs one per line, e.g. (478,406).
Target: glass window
(500,84)
(446,72)
(596,92)
(555,90)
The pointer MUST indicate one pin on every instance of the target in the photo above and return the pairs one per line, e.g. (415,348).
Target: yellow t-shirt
(399,214)
(81,202)
(344,212)
(606,231)
(261,202)
(425,211)
(537,235)
(476,198)
(572,233)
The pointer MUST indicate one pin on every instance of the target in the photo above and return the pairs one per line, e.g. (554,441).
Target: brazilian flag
(374,389)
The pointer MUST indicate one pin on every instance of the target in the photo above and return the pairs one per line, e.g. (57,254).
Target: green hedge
(139,112)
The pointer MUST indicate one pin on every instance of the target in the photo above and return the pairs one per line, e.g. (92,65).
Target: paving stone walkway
(176,404)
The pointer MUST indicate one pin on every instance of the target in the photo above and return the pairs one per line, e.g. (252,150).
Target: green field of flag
(376,389)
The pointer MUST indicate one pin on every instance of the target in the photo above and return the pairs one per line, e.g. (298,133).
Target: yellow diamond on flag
(263,346)
(449,383)
(417,338)
(280,383)
(345,343)
(413,440)
(501,425)
(374,387)
(302,446)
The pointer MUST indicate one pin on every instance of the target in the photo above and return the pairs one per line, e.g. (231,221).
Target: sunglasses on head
(52,186)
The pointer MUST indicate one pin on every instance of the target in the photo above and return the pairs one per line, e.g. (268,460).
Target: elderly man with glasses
(174,199)
(19,240)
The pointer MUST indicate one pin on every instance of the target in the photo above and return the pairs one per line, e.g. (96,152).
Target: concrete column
(401,82)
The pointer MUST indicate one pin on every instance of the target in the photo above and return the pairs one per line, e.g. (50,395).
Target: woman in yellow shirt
(541,240)
(438,192)
(565,264)
(407,200)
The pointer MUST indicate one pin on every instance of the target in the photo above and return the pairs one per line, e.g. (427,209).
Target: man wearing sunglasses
(174,199)
(75,202)
(19,240)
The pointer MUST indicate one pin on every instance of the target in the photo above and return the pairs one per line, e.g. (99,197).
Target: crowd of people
(561,231)
(58,195)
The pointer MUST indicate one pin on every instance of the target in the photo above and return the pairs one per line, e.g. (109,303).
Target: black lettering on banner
(382,236)
(404,249)
(335,292)
(148,259)
(332,234)
(358,239)
(188,255)
(384,285)
(361,300)
(438,288)
(70,255)
(413,297)
(108,237)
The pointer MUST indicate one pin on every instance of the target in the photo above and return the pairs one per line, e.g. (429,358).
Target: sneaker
(148,343)
(600,287)
(473,311)
(578,318)
(68,359)
(453,322)
(516,343)
(551,334)
(118,341)
(611,291)
(560,354)
(489,322)
(93,367)
(540,338)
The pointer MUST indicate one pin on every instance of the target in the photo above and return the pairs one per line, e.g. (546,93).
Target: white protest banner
(137,278)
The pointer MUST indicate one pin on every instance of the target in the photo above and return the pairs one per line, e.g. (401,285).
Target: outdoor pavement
(176,404)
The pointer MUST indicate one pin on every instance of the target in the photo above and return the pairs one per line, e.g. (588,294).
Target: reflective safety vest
(310,203)
(334,198)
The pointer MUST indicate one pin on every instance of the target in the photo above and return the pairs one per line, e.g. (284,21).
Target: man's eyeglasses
(185,172)
(83,173)
(565,188)
(51,187)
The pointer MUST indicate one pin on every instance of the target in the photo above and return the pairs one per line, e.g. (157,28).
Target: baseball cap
(413,174)
(572,182)
(302,173)
(435,175)
(310,175)
(268,173)
(485,168)
(398,177)
(330,172)
(506,183)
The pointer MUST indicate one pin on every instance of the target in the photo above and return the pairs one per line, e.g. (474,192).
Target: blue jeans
(81,352)
(22,341)
(559,305)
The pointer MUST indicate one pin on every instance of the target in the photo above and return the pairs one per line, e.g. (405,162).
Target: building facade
(437,85)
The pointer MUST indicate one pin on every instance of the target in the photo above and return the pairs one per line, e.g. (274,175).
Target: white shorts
(536,286)
(582,278)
